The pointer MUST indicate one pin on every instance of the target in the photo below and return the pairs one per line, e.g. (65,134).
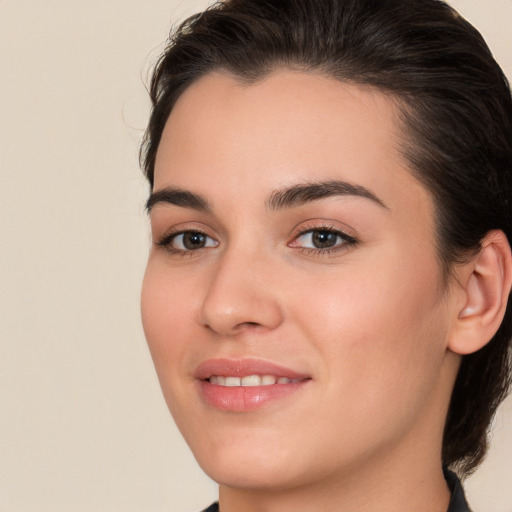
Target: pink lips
(242,398)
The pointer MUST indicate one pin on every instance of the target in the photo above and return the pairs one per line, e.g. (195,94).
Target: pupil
(194,240)
(323,239)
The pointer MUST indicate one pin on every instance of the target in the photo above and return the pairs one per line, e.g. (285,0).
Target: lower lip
(246,398)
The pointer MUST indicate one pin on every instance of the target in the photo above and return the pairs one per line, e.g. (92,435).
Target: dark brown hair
(457,113)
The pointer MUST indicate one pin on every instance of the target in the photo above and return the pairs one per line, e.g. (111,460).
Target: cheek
(166,316)
(379,327)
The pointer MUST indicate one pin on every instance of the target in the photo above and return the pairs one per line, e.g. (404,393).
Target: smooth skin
(346,288)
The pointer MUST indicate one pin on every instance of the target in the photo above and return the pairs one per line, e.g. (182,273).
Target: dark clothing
(212,508)
(458,501)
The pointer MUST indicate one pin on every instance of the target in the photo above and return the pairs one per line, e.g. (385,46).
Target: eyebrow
(178,197)
(298,195)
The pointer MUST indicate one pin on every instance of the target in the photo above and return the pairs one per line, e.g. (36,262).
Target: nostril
(248,326)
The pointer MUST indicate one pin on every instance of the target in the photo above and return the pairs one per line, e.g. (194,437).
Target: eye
(323,240)
(187,241)
(319,239)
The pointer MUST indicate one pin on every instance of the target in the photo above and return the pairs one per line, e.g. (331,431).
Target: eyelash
(166,242)
(347,241)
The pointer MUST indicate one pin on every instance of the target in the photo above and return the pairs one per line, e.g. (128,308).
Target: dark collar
(212,508)
(458,501)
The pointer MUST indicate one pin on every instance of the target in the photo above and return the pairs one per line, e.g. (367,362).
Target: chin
(249,465)
(250,474)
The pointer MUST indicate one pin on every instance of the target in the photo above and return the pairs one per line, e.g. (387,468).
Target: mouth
(247,384)
(250,380)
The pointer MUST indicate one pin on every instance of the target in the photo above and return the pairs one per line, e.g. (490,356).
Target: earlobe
(487,285)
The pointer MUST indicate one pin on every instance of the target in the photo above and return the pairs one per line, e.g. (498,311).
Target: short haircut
(456,112)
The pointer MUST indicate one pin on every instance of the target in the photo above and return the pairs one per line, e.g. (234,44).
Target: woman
(326,298)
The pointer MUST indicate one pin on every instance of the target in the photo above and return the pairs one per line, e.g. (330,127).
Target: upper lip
(244,367)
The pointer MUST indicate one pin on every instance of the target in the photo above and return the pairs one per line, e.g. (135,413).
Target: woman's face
(293,301)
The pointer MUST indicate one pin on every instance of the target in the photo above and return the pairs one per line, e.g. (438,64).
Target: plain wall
(83,426)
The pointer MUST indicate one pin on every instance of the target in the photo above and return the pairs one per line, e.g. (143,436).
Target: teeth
(268,380)
(231,382)
(249,380)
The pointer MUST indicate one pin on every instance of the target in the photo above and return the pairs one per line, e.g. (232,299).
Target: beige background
(82,424)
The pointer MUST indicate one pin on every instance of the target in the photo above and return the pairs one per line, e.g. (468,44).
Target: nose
(242,295)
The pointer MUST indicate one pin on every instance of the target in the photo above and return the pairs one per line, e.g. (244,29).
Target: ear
(486,282)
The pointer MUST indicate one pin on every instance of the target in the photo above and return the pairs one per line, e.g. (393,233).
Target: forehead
(283,109)
(286,128)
